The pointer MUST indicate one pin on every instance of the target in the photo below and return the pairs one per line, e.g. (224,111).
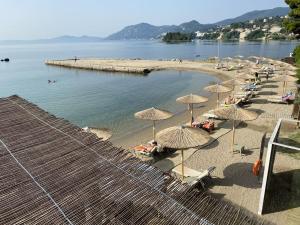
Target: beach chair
(276,99)
(200,179)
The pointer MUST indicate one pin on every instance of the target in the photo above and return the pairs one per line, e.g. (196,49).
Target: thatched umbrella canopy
(235,113)
(191,100)
(288,68)
(217,88)
(233,82)
(228,59)
(182,137)
(245,76)
(290,72)
(285,79)
(153,114)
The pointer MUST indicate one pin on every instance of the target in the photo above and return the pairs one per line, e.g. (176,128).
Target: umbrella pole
(192,114)
(283,87)
(233,134)
(153,130)
(218,100)
(182,166)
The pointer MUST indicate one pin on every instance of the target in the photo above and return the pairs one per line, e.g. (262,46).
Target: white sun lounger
(199,179)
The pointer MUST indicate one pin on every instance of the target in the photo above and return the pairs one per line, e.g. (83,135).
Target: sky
(33,19)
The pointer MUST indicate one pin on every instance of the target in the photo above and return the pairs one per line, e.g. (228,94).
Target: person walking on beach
(256,76)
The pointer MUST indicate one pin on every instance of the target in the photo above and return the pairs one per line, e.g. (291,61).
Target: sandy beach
(233,179)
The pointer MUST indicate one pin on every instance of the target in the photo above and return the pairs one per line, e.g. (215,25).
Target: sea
(109,100)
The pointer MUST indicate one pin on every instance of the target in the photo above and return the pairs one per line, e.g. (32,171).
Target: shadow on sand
(238,174)
(283,192)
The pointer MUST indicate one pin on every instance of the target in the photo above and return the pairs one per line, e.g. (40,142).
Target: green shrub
(255,35)
(232,35)
(178,37)
(210,36)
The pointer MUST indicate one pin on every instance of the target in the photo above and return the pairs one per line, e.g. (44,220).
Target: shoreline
(138,66)
(144,134)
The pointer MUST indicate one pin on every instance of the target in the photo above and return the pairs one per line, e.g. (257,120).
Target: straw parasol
(228,59)
(153,114)
(217,88)
(245,76)
(233,83)
(235,113)
(191,100)
(285,79)
(182,137)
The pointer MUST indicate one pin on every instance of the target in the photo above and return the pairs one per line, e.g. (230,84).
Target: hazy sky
(30,19)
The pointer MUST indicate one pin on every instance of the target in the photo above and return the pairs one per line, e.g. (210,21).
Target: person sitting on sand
(154,147)
(229,100)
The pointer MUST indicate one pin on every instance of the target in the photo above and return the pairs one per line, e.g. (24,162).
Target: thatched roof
(234,112)
(192,99)
(53,173)
(182,137)
(153,114)
(217,88)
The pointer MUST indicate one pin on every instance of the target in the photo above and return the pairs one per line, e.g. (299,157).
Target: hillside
(148,31)
(257,14)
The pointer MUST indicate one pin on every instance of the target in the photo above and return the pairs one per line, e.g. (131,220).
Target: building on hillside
(275,29)
(199,34)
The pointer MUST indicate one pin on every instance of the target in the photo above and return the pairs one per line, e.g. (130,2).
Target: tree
(255,35)
(231,35)
(178,37)
(292,24)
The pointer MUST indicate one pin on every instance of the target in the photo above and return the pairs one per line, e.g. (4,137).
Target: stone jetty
(101,65)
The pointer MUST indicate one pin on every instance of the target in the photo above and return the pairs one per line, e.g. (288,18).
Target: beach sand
(233,179)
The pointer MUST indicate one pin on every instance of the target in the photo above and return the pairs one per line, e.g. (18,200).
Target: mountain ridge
(140,31)
(149,31)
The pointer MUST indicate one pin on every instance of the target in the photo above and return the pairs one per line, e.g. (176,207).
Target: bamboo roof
(51,172)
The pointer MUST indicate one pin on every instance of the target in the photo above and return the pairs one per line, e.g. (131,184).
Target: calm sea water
(89,98)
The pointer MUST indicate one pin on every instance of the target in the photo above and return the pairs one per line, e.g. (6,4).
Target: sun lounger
(280,99)
(220,66)
(210,115)
(276,99)
(200,179)
(207,125)
(250,87)
(147,149)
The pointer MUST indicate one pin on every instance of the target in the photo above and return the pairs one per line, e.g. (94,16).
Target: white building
(275,29)
(199,34)
(265,20)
